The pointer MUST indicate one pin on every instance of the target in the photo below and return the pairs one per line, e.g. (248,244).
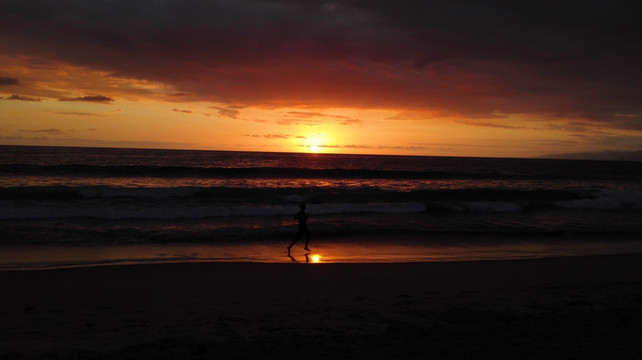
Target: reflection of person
(302,216)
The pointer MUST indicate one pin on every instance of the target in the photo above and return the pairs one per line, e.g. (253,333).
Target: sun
(315,142)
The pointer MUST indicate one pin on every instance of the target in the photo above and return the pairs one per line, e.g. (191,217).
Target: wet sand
(554,308)
(375,249)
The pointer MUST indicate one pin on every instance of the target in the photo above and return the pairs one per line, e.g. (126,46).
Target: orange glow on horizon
(158,115)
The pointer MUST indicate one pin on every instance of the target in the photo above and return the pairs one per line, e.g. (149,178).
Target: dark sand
(556,308)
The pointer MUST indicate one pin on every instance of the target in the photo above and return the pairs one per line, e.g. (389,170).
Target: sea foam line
(125,210)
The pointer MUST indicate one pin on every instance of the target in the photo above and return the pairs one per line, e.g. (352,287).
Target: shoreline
(584,306)
(377,249)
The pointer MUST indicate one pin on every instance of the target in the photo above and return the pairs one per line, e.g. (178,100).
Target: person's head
(302,206)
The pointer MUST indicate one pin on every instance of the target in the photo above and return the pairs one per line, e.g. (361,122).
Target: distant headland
(602,155)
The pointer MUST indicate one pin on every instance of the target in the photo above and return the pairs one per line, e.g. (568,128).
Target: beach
(172,254)
(553,308)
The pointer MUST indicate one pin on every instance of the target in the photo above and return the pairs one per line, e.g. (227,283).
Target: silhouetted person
(302,216)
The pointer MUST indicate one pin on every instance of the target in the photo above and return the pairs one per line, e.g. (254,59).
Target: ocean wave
(606,200)
(152,210)
(601,200)
(108,202)
(475,207)
(319,194)
(289,172)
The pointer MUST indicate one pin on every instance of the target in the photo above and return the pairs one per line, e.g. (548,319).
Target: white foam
(606,200)
(483,206)
(293,198)
(115,209)
(106,192)
(385,208)
(493,206)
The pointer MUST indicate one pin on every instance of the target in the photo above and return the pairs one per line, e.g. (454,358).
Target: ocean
(64,206)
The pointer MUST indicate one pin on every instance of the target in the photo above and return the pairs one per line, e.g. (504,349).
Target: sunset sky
(455,78)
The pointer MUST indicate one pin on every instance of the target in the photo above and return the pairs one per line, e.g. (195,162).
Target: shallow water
(351,250)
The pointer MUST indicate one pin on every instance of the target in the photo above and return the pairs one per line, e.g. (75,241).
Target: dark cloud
(576,127)
(308,114)
(277,136)
(8,81)
(22,98)
(229,112)
(357,147)
(300,121)
(182,111)
(92,98)
(272,136)
(487,124)
(45,131)
(413,116)
(457,57)
(314,118)
(76,113)
(410,147)
(628,121)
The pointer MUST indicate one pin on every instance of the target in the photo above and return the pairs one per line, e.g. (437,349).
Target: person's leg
(307,239)
(298,236)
